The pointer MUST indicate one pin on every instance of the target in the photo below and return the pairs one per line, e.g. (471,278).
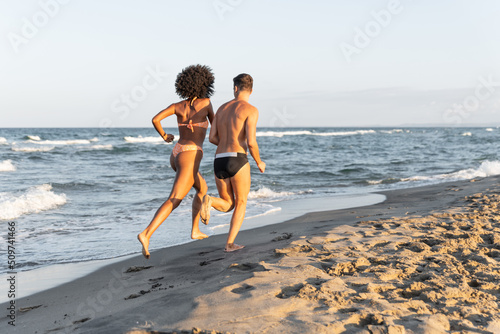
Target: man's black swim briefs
(226,165)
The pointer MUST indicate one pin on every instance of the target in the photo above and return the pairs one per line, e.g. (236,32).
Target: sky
(334,63)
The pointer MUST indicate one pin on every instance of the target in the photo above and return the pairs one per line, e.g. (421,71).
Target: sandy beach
(426,260)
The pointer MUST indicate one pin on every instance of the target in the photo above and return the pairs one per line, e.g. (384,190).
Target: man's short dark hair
(243,81)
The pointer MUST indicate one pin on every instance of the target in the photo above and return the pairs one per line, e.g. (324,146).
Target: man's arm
(213,137)
(253,147)
(169,111)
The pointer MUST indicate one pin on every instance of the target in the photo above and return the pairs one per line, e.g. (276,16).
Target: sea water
(84,194)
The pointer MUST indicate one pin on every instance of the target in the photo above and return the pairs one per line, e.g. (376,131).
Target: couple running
(233,131)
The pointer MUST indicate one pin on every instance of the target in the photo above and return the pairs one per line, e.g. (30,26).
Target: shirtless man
(233,131)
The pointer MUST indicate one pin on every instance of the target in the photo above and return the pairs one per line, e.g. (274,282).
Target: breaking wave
(34,200)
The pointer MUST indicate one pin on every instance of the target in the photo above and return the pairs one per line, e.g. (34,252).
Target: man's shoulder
(224,106)
(247,107)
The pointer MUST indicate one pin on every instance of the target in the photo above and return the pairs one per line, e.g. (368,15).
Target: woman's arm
(169,111)
(211,114)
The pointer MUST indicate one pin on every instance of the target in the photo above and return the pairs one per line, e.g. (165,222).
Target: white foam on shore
(487,168)
(3,141)
(32,149)
(280,134)
(268,212)
(34,200)
(266,193)
(7,166)
(152,140)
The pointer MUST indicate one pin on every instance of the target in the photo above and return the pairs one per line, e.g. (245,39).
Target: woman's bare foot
(206,205)
(198,235)
(145,244)
(232,247)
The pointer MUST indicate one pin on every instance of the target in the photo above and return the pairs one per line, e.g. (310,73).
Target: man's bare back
(234,132)
(235,129)
(231,126)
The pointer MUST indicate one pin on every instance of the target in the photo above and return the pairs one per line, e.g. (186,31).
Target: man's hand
(262,166)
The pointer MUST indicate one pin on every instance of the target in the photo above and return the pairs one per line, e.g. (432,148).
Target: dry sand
(427,260)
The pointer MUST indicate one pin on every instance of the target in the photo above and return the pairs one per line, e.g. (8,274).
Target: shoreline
(48,277)
(198,285)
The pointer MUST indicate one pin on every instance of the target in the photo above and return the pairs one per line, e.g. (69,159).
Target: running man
(234,132)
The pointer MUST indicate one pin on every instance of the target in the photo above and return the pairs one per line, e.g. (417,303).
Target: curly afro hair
(195,81)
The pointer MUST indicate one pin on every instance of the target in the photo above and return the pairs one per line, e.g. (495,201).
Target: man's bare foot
(145,244)
(206,205)
(232,247)
(198,235)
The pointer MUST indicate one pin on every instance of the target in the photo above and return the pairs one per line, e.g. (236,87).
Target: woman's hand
(168,137)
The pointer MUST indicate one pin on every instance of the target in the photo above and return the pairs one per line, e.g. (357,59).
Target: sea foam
(280,134)
(7,166)
(141,139)
(3,141)
(102,147)
(268,212)
(32,149)
(393,131)
(266,193)
(487,168)
(34,200)
(63,142)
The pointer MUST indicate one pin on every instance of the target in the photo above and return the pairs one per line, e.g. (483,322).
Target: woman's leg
(184,180)
(224,203)
(201,189)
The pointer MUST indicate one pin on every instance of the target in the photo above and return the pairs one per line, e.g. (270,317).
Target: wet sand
(427,260)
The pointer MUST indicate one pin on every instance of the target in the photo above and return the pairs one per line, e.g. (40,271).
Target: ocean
(84,194)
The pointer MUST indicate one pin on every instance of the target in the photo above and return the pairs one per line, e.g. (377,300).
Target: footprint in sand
(135,295)
(136,269)
(243,289)
(206,262)
(284,236)
(295,249)
(80,321)
(29,308)
(290,291)
(248,267)
(153,280)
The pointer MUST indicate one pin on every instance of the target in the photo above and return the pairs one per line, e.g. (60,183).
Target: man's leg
(241,187)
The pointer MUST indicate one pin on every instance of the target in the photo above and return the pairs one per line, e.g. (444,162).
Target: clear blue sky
(89,63)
